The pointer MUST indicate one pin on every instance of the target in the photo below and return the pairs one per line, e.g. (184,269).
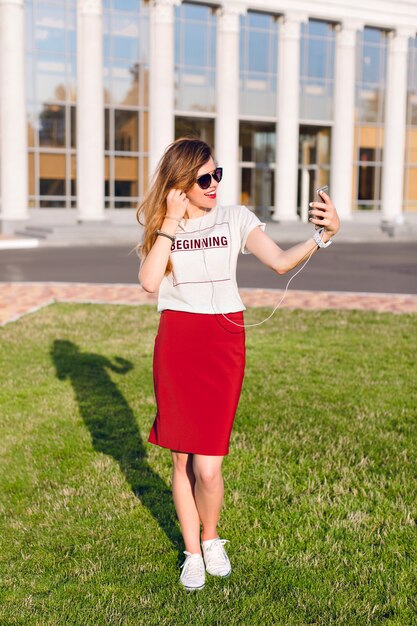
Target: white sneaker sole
(193,588)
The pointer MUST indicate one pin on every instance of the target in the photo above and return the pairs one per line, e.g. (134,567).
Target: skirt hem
(177,449)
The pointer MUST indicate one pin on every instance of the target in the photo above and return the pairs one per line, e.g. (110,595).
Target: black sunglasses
(204,181)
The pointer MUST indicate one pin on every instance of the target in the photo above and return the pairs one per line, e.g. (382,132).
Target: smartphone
(318,198)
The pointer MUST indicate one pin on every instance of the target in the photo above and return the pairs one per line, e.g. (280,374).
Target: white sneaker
(215,557)
(193,575)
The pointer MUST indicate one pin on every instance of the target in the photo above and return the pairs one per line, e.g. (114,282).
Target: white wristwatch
(317,238)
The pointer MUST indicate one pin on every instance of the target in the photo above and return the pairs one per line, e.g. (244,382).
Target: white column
(286,175)
(161,80)
(395,127)
(344,119)
(227,102)
(90,111)
(13,123)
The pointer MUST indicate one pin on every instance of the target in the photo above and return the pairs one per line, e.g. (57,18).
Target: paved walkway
(17,299)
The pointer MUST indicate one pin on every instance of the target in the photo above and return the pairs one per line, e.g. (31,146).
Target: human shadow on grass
(113,427)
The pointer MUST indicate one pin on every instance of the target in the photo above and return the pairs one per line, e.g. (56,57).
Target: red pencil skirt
(199,363)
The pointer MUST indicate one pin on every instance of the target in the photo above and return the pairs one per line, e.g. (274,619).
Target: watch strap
(317,238)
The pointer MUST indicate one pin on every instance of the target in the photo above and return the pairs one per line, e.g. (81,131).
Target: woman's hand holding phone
(323,213)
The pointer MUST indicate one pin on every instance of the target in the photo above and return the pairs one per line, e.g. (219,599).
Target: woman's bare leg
(208,492)
(183,484)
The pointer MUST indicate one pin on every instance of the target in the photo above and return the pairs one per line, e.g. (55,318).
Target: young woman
(189,253)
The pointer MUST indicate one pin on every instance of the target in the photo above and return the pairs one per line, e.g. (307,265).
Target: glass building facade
(126,70)
(258,80)
(195,58)
(410,186)
(369,126)
(51,101)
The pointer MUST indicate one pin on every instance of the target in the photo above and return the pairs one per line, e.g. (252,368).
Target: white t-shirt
(204,258)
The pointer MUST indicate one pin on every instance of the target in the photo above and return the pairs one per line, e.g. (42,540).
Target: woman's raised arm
(281,261)
(153,266)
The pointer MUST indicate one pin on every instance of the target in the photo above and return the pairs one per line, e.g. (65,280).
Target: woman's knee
(208,475)
(181,462)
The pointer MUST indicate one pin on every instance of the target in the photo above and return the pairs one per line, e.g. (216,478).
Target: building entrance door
(313,164)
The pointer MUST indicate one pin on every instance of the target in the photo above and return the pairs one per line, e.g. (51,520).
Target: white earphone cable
(275,309)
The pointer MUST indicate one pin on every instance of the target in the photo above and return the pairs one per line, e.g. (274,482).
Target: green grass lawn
(320,505)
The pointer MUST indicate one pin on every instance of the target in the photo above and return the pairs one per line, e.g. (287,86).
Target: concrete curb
(14,243)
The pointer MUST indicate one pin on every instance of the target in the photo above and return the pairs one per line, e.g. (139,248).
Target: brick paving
(17,299)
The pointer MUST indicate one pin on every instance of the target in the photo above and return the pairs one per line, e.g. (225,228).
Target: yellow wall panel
(411,189)
(412,145)
(52,165)
(370,137)
(126,168)
(31,166)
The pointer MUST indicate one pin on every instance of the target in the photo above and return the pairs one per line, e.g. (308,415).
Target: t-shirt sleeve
(248,221)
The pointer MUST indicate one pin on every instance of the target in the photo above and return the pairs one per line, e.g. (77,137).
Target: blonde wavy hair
(177,169)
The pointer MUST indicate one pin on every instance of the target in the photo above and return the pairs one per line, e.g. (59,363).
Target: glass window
(410,187)
(257,190)
(52,126)
(195,62)
(317,49)
(316,60)
(52,187)
(126,37)
(51,40)
(125,74)
(195,127)
(29,36)
(124,83)
(258,20)
(106,35)
(29,77)
(313,161)
(370,98)
(126,131)
(371,72)
(258,64)
(195,44)
(73,127)
(49,27)
(257,156)
(258,43)
(71,31)
(52,180)
(194,11)
(32,124)
(314,146)
(107,129)
(369,141)
(369,178)
(125,5)
(73,176)
(257,142)
(50,79)
(126,180)
(319,29)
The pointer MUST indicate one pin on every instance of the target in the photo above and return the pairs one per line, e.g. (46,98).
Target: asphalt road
(364,267)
